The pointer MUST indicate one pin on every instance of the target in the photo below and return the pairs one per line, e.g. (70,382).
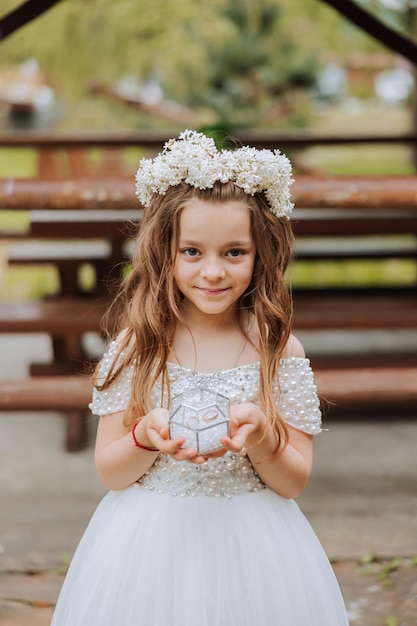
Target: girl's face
(216,254)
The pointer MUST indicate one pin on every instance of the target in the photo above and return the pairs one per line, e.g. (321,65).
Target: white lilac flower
(194,159)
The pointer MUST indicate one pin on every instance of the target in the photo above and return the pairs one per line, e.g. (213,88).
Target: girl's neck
(199,322)
(219,345)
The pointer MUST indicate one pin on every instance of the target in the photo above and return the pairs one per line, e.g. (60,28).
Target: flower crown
(194,159)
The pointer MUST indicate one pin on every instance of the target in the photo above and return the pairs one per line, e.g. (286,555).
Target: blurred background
(280,66)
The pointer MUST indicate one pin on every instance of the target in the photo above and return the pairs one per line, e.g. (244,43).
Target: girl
(216,539)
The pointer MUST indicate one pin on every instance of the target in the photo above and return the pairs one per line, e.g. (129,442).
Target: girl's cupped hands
(246,427)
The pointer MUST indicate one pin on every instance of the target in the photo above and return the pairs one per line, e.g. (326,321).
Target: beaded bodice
(295,395)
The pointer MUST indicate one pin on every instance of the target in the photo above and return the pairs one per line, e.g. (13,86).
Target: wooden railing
(152,139)
(328,209)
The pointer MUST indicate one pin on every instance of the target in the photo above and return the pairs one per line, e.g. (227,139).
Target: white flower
(194,159)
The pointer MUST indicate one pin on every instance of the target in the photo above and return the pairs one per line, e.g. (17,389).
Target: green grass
(388,160)
(353,273)
(14,220)
(17,162)
(21,283)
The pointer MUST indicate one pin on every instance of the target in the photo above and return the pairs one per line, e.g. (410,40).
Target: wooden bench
(344,219)
(69,394)
(356,308)
(334,219)
(348,248)
(79,229)
(68,257)
(65,320)
(358,387)
(55,316)
(74,223)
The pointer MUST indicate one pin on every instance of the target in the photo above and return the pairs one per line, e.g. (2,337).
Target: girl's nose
(212,269)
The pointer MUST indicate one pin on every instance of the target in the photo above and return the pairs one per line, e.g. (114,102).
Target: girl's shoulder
(293,349)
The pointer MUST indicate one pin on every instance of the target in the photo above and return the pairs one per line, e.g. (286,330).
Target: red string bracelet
(139,445)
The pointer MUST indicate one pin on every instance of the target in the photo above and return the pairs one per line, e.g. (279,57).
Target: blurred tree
(252,69)
(241,61)
(394,24)
(194,50)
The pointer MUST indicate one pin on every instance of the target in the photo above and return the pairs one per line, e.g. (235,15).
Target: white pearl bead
(296,398)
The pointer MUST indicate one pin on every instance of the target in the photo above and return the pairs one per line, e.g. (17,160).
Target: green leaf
(389,567)
(368,558)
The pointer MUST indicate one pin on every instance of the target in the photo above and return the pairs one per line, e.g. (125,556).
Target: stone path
(382,593)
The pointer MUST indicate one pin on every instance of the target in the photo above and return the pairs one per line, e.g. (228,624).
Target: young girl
(216,539)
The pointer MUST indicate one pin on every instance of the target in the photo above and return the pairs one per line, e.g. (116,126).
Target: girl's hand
(247,424)
(156,429)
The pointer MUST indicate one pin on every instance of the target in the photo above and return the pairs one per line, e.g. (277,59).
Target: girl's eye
(190,252)
(235,252)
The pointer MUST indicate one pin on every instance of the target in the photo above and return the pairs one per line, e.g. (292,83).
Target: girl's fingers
(234,445)
(174,447)
(160,439)
(233,426)
(164,432)
(238,437)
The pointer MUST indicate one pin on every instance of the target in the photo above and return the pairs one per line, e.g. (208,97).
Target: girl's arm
(120,462)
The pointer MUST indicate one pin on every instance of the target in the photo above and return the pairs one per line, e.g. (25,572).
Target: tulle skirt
(148,559)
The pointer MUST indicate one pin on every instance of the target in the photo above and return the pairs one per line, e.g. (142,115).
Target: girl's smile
(210,292)
(215,256)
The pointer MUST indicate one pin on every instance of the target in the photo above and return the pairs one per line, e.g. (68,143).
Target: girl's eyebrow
(229,244)
(187,242)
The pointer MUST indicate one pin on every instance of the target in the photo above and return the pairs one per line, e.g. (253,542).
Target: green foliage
(370,564)
(232,59)
(77,41)
(389,567)
(253,66)
(367,558)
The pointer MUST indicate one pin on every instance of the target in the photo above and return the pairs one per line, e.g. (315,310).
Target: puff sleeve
(115,398)
(296,395)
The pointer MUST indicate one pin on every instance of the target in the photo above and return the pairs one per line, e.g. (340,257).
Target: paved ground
(361,500)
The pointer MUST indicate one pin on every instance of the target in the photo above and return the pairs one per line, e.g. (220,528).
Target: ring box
(201,416)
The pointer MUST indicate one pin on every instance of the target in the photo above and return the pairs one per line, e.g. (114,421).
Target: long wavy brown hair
(148,305)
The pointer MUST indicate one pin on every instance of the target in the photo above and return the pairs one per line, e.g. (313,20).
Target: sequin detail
(224,477)
(231,474)
(295,394)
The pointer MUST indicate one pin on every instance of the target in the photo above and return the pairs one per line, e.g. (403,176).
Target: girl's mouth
(212,292)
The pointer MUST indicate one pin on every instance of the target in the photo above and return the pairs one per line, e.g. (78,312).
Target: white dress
(208,545)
